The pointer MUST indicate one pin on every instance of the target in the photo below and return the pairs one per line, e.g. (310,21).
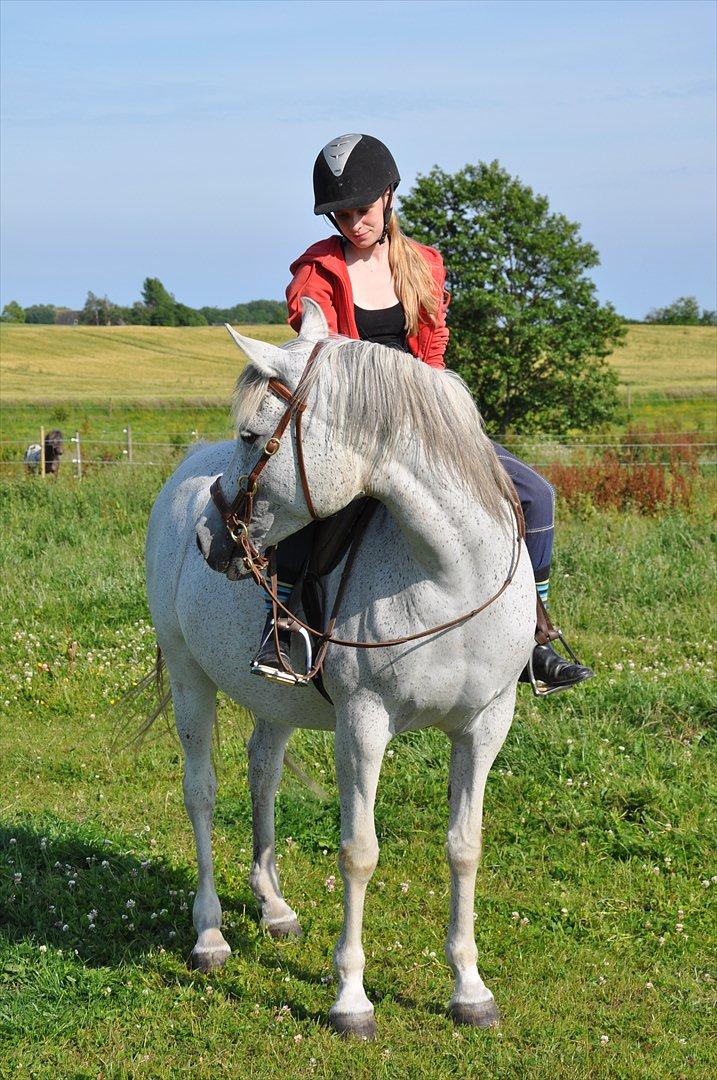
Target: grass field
(595,910)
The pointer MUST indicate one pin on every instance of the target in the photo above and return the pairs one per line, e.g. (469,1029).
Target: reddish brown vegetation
(647,473)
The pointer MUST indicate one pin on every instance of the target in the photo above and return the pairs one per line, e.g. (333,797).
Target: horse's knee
(358,858)
(463,855)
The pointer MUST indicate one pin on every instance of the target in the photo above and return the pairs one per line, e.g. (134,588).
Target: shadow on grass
(64,886)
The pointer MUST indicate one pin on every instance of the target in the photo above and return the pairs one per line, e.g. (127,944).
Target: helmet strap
(386,219)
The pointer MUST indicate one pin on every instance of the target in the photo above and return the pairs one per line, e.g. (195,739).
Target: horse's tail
(131,704)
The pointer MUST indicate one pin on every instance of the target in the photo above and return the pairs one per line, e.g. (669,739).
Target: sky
(177,139)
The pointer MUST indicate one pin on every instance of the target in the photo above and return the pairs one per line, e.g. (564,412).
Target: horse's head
(280,503)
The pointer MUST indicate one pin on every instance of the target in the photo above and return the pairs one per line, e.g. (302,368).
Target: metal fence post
(128,451)
(42,451)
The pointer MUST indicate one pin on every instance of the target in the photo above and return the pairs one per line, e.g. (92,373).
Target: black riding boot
(266,662)
(552,672)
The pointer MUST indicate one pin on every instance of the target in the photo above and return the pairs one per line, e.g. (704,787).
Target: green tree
(684,311)
(527,331)
(159,303)
(40,313)
(187,316)
(13,312)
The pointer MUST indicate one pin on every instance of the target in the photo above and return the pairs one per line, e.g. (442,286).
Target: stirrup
(277,674)
(540,689)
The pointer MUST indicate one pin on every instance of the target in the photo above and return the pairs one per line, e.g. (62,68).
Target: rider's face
(363,226)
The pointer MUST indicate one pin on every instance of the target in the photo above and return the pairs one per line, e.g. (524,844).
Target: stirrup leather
(287,677)
(540,689)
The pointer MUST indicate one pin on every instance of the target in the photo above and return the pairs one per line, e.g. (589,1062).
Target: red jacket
(321,273)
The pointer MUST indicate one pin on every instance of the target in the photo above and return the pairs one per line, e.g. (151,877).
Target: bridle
(237,518)
(237,514)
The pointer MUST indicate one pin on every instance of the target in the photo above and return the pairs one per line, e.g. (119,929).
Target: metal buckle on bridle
(539,689)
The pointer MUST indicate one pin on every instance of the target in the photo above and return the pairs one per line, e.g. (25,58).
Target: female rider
(375,284)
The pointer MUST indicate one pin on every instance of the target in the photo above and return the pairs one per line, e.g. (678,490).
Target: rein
(237,518)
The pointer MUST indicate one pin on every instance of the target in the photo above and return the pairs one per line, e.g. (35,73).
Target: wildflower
(649,985)
(604,1039)
(104,864)
(515,915)
(17,878)
(43,843)
(297,1039)
(524,921)
(43,948)
(130,904)
(330,883)
(405,885)
(71,883)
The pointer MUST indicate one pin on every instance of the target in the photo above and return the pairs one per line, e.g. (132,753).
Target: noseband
(237,514)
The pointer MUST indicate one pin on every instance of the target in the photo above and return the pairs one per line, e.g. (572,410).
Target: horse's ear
(263,355)
(314,326)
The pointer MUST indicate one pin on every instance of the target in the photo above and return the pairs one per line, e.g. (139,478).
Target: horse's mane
(384,403)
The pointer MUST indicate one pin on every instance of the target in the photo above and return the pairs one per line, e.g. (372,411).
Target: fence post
(128,451)
(78,458)
(42,451)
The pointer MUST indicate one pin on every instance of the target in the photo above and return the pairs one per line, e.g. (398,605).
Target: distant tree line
(685,311)
(158,307)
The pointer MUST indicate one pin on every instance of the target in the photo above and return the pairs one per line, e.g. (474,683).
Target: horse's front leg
(194,700)
(266,757)
(472,755)
(361,738)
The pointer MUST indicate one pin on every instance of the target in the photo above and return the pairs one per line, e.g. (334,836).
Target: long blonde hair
(412,278)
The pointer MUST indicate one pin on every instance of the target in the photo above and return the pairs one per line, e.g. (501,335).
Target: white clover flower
(130,904)
(330,883)
(405,885)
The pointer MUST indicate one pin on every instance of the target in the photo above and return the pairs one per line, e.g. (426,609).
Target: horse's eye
(248,436)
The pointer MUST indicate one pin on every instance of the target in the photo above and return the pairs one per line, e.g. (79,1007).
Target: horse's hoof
(354,1026)
(482,1014)
(286,930)
(207,960)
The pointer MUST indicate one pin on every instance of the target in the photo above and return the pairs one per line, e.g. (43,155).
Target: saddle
(333,539)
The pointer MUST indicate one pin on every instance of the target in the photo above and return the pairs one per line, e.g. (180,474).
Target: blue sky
(176,139)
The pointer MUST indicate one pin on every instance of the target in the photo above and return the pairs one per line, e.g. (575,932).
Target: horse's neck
(447,532)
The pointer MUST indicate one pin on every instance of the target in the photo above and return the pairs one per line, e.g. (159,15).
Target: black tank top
(385,326)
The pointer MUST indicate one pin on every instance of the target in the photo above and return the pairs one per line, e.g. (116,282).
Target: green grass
(599,833)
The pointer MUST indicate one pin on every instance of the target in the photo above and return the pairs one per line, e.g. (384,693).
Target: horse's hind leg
(472,755)
(194,700)
(266,757)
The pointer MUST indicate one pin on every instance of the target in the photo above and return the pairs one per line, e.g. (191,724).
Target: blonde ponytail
(412,278)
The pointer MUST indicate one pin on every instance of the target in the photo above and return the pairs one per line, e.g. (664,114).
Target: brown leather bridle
(237,518)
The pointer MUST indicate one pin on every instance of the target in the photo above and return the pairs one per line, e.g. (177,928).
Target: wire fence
(668,449)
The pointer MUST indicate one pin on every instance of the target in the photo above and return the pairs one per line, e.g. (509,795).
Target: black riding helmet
(351,171)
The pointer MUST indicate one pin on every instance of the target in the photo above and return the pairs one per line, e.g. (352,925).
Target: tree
(527,331)
(40,313)
(13,312)
(685,311)
(159,303)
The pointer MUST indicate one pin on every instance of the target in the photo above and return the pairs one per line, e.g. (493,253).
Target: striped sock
(283,591)
(542,587)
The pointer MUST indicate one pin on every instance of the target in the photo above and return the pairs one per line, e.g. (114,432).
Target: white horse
(376,423)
